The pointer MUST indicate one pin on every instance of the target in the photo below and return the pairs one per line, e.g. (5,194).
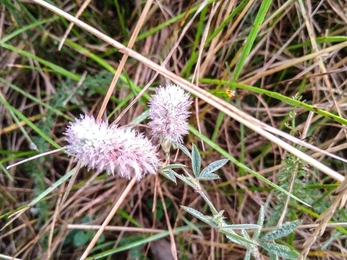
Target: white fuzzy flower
(108,148)
(168,110)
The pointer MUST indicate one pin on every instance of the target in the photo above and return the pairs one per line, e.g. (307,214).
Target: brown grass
(294,52)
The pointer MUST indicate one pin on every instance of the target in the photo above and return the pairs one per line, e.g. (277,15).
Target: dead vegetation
(295,60)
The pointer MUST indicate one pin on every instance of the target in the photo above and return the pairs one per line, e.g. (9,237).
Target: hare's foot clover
(109,148)
(168,111)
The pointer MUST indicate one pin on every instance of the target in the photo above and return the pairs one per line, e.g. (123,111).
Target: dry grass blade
(324,219)
(257,156)
(78,14)
(122,63)
(221,105)
(124,194)
(295,61)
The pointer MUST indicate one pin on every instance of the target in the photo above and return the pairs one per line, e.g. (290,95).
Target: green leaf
(280,250)
(183,149)
(212,167)
(230,234)
(169,174)
(264,7)
(273,256)
(260,222)
(282,231)
(208,177)
(174,166)
(247,255)
(240,226)
(29,123)
(239,239)
(196,161)
(81,238)
(207,219)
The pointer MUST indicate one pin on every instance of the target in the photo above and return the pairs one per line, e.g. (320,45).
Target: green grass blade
(54,67)
(34,99)
(288,100)
(251,37)
(240,165)
(29,123)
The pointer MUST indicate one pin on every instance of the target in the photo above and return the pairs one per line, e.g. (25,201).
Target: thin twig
(122,63)
(124,194)
(80,11)
(35,157)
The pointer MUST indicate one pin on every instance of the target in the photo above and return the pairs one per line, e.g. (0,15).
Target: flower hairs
(168,111)
(109,148)
(123,150)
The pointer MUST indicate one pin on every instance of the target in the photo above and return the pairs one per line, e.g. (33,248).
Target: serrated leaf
(169,174)
(196,161)
(280,250)
(212,167)
(208,177)
(282,231)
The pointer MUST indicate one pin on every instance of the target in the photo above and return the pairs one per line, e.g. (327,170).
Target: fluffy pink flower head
(168,110)
(108,148)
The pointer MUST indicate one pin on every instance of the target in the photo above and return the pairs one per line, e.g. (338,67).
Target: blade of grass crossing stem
(240,165)
(275,95)
(54,186)
(121,20)
(89,54)
(20,210)
(226,21)
(140,242)
(264,7)
(243,145)
(251,37)
(194,56)
(27,27)
(29,123)
(239,65)
(169,22)
(34,99)
(54,67)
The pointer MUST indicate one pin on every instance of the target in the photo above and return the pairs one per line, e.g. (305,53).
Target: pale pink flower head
(105,147)
(168,110)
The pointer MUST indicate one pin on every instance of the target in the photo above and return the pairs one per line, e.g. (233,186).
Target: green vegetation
(234,190)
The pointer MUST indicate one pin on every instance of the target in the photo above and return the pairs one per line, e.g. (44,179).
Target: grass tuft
(262,171)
